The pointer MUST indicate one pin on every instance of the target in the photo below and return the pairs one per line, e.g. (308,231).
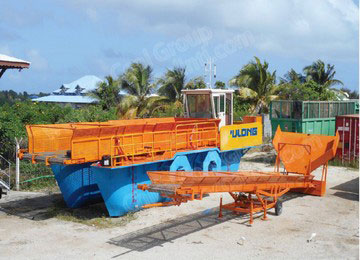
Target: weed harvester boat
(131,164)
(108,160)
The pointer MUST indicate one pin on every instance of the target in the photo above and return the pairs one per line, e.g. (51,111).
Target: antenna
(210,70)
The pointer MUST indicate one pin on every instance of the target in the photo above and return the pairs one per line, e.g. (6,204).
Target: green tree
(11,97)
(220,85)
(91,113)
(257,83)
(172,83)
(321,74)
(140,101)
(14,118)
(196,83)
(352,94)
(309,90)
(292,76)
(108,93)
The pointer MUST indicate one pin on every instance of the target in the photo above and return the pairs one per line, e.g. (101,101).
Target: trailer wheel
(278,208)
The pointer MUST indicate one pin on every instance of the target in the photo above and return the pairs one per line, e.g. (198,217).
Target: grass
(349,164)
(89,215)
(44,185)
(36,174)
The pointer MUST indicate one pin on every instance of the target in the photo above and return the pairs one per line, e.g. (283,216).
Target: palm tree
(140,101)
(196,83)
(107,93)
(292,76)
(172,83)
(256,83)
(220,85)
(320,75)
(351,94)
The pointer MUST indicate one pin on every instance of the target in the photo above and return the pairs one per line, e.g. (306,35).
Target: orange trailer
(252,191)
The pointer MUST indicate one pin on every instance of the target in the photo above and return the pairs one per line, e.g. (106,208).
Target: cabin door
(220,108)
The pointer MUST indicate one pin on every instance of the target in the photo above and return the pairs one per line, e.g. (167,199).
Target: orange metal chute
(300,155)
(303,153)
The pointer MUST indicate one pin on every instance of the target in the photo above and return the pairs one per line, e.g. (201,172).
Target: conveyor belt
(163,188)
(181,183)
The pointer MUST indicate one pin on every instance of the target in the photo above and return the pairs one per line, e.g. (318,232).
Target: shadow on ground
(147,238)
(348,190)
(264,157)
(44,207)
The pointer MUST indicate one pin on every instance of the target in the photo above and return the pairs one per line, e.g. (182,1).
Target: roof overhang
(7,62)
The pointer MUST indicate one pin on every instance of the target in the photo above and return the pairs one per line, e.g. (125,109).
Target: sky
(65,40)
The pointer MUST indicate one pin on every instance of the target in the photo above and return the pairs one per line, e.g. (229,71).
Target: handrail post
(17,173)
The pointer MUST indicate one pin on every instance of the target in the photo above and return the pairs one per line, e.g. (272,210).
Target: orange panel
(303,153)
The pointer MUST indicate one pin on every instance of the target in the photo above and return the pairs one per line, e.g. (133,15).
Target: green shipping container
(311,117)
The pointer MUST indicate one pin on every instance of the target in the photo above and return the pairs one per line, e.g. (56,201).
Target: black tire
(1,193)
(278,208)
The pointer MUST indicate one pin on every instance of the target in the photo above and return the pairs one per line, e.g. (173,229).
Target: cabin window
(199,105)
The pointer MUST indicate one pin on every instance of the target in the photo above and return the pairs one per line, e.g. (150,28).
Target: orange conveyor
(300,154)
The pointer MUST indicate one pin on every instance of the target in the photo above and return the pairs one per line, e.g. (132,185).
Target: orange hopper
(253,191)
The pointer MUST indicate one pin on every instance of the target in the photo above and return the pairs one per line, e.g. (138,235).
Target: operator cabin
(209,103)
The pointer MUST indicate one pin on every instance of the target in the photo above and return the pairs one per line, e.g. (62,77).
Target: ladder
(5,174)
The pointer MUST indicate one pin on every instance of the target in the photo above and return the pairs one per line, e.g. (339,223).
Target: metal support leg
(220,209)
(265,209)
(251,211)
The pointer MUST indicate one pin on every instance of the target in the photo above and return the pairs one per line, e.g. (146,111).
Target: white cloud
(293,28)
(37,61)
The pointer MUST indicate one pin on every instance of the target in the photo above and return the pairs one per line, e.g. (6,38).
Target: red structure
(348,127)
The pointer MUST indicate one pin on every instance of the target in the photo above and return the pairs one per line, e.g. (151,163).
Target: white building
(74,93)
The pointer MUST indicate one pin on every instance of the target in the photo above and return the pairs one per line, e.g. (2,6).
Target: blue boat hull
(76,183)
(83,183)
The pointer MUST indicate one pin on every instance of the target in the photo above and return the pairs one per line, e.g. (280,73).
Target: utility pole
(17,175)
(210,69)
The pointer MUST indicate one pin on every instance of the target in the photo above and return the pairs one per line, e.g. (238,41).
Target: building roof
(206,91)
(83,85)
(66,99)
(12,63)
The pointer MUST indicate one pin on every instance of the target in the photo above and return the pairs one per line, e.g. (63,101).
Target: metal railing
(161,145)
(5,174)
(125,144)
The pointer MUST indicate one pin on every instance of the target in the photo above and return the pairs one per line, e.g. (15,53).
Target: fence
(311,117)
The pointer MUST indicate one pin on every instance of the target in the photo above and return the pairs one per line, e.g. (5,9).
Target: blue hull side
(119,190)
(76,183)
(118,186)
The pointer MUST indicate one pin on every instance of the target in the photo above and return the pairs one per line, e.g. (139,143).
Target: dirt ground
(193,229)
